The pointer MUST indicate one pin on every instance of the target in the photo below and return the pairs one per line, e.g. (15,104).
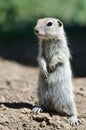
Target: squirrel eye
(49,24)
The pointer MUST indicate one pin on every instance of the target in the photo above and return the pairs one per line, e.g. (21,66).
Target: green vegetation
(20,15)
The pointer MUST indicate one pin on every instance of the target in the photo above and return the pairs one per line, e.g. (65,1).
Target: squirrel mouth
(39,35)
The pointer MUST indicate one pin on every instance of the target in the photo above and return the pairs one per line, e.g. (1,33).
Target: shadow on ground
(18,105)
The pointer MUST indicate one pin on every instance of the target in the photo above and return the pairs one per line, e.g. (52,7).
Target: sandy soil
(18,94)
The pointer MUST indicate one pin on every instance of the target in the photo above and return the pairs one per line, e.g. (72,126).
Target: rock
(43,124)
(2,99)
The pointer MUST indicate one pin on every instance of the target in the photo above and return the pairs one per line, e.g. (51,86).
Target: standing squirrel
(55,89)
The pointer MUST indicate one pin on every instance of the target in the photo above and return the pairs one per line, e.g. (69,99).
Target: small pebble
(81,89)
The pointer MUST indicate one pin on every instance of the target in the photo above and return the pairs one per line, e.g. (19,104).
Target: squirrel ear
(59,23)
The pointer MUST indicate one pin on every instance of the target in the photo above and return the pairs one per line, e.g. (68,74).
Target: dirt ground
(18,94)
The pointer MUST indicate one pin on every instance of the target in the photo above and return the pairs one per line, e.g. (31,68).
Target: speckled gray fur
(56,90)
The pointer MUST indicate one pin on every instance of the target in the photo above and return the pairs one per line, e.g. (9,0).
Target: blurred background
(18,18)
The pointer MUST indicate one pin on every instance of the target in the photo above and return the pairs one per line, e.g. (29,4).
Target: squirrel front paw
(45,73)
(52,66)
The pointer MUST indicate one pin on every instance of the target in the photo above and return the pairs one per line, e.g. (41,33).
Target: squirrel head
(49,28)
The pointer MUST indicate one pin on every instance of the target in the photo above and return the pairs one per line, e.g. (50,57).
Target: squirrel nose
(35,30)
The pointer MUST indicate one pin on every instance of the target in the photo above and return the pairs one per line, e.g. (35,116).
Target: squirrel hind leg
(74,121)
(37,109)
(73,112)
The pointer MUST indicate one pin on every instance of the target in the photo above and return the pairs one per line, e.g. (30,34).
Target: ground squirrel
(55,89)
